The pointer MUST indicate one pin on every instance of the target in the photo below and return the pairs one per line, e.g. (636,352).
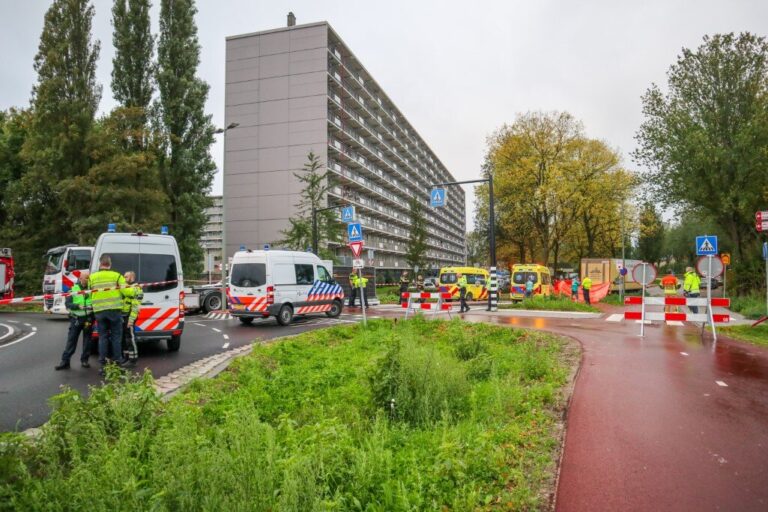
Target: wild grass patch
(414,415)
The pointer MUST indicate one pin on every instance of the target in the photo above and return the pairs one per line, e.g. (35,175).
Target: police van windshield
(79,260)
(248,275)
(149,268)
(53,262)
(522,277)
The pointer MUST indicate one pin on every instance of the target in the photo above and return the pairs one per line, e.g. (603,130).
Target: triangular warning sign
(706,246)
(357,248)
(353,232)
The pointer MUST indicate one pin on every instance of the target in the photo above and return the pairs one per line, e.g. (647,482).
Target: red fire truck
(6,273)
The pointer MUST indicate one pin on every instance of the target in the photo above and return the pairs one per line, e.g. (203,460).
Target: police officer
(462,283)
(352,288)
(107,291)
(80,321)
(586,285)
(131,305)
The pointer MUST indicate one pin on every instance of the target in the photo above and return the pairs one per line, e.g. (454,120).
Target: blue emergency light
(111,228)
(163,230)
(242,247)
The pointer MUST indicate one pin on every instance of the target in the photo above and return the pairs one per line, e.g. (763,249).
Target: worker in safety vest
(586,285)
(669,283)
(108,288)
(692,286)
(80,321)
(462,283)
(131,306)
(405,281)
(353,285)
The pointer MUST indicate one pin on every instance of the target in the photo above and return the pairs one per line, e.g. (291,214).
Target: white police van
(155,259)
(281,284)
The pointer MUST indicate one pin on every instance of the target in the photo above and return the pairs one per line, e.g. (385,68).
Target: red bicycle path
(650,428)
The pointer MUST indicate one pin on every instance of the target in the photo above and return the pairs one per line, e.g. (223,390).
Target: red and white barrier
(703,302)
(50,296)
(435,307)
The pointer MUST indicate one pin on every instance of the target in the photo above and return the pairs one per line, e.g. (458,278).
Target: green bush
(751,306)
(304,424)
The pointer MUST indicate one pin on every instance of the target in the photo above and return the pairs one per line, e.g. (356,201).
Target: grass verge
(751,306)
(410,415)
(756,335)
(550,303)
(28,307)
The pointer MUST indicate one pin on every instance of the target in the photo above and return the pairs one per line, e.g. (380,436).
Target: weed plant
(410,415)
(751,306)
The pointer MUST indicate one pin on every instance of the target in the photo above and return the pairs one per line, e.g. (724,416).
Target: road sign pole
(725,280)
(642,306)
(709,297)
(362,295)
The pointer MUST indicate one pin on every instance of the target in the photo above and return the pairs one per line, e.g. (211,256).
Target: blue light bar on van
(266,247)
(163,230)
(242,247)
(111,228)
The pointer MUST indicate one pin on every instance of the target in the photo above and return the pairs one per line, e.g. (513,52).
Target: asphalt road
(31,345)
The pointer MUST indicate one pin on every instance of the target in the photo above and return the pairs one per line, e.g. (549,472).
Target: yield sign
(357,248)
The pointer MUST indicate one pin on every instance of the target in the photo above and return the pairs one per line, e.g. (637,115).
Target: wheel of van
(285,315)
(246,320)
(335,309)
(212,302)
(469,297)
(174,343)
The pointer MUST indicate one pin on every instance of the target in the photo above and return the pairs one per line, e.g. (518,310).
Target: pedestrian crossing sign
(437,197)
(355,232)
(348,214)
(706,245)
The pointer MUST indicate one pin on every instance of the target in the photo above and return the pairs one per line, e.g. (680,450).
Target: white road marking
(647,322)
(617,317)
(18,340)
(684,353)
(226,336)
(721,383)
(215,329)
(34,329)
(226,345)
(10,331)
(675,323)
(198,323)
(14,321)
(28,325)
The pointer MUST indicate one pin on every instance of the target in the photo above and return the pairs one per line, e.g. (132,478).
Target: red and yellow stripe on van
(249,303)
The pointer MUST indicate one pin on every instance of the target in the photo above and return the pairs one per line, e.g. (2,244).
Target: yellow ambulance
(542,280)
(477,281)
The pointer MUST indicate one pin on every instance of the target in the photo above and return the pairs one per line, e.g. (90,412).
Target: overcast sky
(457,70)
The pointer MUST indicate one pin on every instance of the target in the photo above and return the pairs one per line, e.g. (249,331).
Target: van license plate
(238,306)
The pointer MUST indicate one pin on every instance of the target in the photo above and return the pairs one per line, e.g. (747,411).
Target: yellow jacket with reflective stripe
(132,296)
(692,282)
(113,284)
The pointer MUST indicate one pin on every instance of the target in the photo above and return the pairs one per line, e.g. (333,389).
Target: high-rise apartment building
(211,241)
(298,89)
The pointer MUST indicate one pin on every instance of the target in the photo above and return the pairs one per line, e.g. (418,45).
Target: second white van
(281,284)
(155,260)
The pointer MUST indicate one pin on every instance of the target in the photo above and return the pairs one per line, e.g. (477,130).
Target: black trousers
(463,300)
(77,326)
(352,296)
(586,297)
(363,297)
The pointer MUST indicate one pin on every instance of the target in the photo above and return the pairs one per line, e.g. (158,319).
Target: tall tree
(651,236)
(132,67)
(317,182)
(64,103)
(416,249)
(706,139)
(185,164)
(14,127)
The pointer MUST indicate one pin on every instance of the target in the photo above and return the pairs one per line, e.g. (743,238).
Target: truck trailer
(607,270)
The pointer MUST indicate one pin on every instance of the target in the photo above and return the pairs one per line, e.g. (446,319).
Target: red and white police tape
(49,296)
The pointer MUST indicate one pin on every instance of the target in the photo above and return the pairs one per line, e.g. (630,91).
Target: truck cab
(6,273)
(63,266)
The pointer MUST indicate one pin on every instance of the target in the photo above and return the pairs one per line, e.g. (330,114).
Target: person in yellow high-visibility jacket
(108,288)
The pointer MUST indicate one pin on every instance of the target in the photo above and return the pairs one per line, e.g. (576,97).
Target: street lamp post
(493,299)
(224,258)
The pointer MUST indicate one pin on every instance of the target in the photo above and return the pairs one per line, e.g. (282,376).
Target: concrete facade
(299,89)
(211,241)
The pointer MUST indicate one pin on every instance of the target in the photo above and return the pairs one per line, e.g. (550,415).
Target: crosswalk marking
(618,317)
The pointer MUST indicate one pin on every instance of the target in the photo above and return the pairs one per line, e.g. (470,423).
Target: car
(281,284)
(430,283)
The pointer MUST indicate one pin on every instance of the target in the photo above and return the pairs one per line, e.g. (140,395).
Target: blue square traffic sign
(706,245)
(355,232)
(348,214)
(437,197)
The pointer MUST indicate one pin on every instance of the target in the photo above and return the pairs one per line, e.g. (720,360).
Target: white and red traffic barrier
(704,302)
(50,296)
(440,305)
